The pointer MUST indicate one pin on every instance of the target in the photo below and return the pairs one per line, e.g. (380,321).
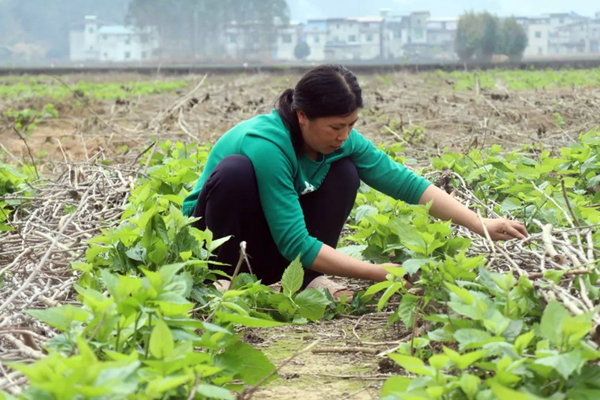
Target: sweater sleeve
(279,200)
(382,173)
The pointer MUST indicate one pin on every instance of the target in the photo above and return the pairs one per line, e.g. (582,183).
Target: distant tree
(513,40)
(489,27)
(302,51)
(468,36)
(477,35)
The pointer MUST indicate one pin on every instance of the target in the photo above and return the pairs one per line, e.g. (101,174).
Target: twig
(564,191)
(536,275)
(42,262)
(550,251)
(10,154)
(195,388)
(28,151)
(149,160)
(154,142)
(414,327)
(351,349)
(23,348)
(375,377)
(486,232)
(241,260)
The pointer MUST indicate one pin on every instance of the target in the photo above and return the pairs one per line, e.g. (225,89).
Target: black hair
(325,91)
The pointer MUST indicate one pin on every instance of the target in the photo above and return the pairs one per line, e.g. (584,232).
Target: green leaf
(137,252)
(312,304)
(438,361)
(496,323)
(246,361)
(471,338)
(523,341)
(247,321)
(464,361)
(469,385)
(504,393)
(510,204)
(167,272)
(60,317)
(398,272)
(389,293)
(162,385)
(161,340)
(354,251)
(463,293)
(406,309)
(159,253)
(292,278)
(215,392)
(377,288)
(564,364)
(363,211)
(413,364)
(552,322)
(472,312)
(395,385)
(215,244)
(414,264)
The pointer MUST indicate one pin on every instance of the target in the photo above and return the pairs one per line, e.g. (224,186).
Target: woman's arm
(447,207)
(331,262)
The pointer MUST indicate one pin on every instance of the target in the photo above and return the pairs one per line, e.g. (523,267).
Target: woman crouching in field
(285,183)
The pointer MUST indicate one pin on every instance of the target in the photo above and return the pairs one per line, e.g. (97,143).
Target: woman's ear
(301,117)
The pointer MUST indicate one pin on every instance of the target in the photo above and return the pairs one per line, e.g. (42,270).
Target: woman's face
(326,134)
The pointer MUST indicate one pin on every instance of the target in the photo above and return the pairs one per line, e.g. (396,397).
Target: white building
(370,37)
(343,39)
(561,34)
(315,35)
(577,38)
(114,43)
(441,33)
(288,37)
(395,36)
(538,35)
(353,38)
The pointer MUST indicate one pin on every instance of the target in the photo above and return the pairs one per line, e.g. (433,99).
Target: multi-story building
(353,38)
(579,37)
(395,36)
(288,37)
(343,39)
(538,31)
(315,35)
(441,33)
(116,43)
(370,37)
(561,34)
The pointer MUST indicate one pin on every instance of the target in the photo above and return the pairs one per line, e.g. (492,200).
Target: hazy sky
(302,10)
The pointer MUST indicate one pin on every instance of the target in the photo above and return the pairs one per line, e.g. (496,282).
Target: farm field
(102,281)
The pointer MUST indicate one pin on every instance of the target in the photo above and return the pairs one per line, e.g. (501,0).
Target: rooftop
(116,30)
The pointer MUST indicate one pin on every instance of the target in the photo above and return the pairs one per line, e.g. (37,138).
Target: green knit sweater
(283,176)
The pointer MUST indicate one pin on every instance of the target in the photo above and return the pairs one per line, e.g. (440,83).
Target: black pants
(229,204)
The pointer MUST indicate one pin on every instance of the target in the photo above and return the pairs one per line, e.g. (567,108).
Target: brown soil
(394,110)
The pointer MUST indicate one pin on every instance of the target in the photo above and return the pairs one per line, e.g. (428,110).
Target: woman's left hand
(504,229)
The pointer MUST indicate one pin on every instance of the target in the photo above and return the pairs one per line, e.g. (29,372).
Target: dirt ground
(406,108)
(403,107)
